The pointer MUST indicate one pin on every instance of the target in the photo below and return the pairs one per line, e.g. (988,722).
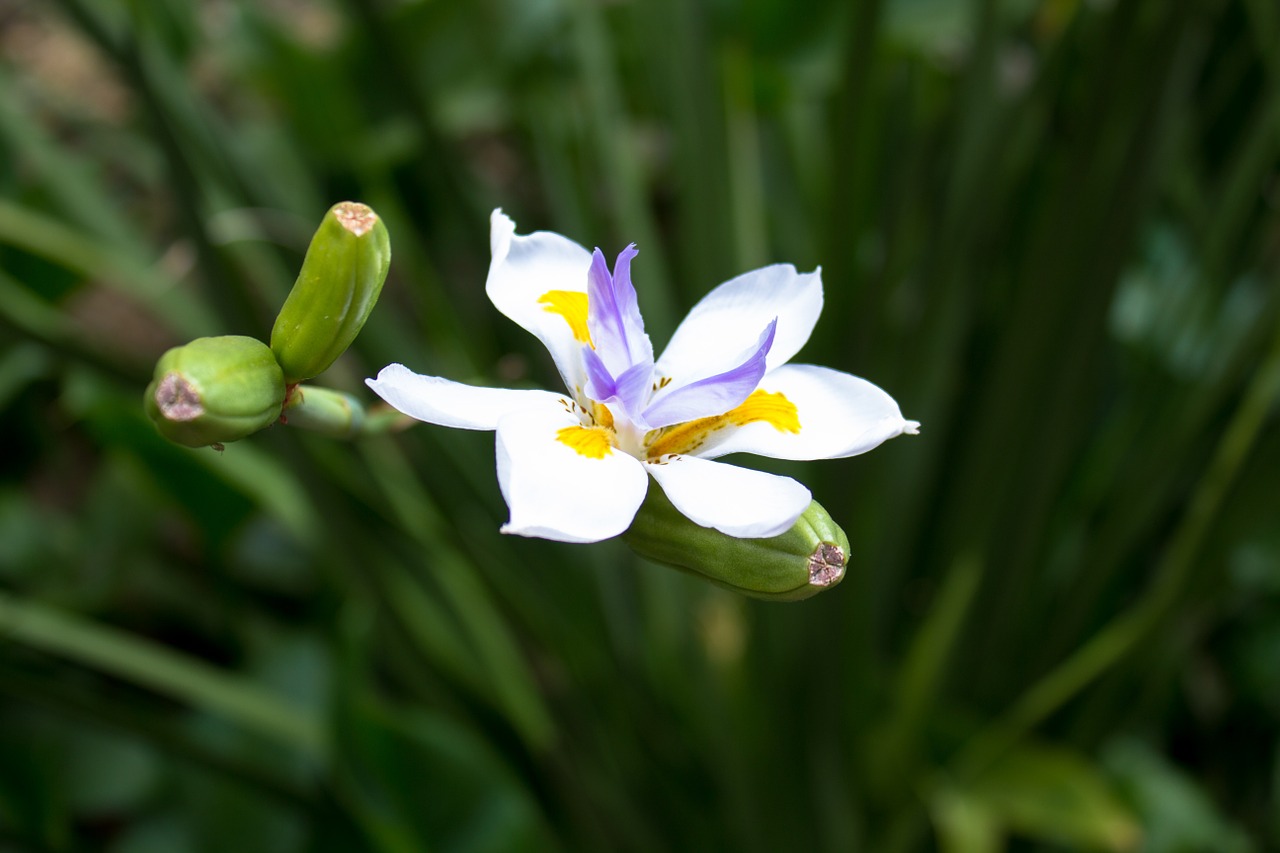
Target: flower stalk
(338,414)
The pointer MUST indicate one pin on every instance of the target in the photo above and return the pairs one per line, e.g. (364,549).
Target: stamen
(601,415)
(769,406)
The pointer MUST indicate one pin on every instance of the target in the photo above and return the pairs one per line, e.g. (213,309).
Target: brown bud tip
(826,565)
(357,218)
(178,399)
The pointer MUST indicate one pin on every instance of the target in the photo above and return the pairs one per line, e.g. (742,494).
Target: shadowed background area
(1049,228)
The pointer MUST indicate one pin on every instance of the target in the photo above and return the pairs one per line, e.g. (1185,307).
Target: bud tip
(177,398)
(357,218)
(826,565)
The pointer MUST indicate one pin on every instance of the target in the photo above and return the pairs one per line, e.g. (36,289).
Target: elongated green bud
(340,280)
(215,390)
(802,562)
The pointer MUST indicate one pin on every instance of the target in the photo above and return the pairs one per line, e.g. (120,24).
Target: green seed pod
(340,280)
(215,390)
(800,563)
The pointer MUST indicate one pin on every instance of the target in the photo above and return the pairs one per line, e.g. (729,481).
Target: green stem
(338,414)
(894,753)
(136,660)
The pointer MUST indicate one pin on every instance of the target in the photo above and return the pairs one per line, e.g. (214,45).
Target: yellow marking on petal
(591,442)
(601,415)
(770,407)
(572,306)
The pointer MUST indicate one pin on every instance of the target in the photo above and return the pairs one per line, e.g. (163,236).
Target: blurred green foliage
(1048,227)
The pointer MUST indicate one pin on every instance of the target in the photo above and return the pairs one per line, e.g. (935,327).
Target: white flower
(575,467)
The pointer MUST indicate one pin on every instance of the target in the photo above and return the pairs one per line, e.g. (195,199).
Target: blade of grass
(47,238)
(1126,631)
(618,162)
(746,171)
(34,318)
(66,177)
(162,670)
(508,677)
(81,707)
(894,753)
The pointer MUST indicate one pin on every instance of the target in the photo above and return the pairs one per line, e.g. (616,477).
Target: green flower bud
(800,563)
(215,390)
(340,280)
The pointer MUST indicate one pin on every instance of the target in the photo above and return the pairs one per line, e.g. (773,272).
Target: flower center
(600,433)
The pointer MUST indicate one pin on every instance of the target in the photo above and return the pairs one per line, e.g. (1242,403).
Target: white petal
(555,492)
(452,404)
(733,500)
(728,321)
(840,415)
(523,269)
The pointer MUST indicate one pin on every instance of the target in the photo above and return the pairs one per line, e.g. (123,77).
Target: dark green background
(1049,229)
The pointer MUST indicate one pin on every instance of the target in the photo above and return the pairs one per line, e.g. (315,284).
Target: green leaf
(107,775)
(166,834)
(964,825)
(1052,794)
(1179,815)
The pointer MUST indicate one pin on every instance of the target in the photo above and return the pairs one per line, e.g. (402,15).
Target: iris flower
(575,467)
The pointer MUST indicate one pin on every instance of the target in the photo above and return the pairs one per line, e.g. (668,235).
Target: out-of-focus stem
(337,414)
